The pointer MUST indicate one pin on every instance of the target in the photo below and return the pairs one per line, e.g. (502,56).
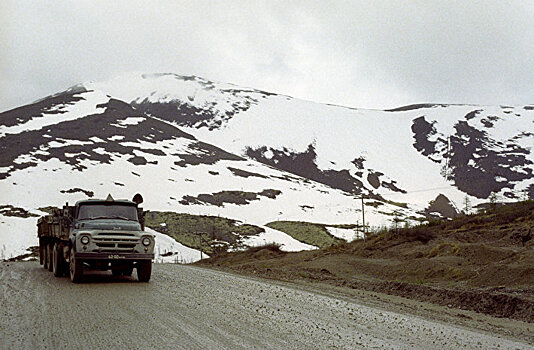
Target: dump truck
(96,234)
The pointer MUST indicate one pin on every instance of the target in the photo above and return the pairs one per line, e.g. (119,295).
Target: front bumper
(113,256)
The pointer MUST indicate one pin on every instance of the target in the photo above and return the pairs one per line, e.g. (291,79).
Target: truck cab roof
(103,201)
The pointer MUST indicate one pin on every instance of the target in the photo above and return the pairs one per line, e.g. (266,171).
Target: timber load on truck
(96,234)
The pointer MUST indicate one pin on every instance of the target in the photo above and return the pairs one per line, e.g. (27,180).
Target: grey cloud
(375,54)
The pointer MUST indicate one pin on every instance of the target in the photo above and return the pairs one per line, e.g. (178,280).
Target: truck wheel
(144,270)
(122,271)
(128,271)
(45,254)
(75,268)
(49,254)
(57,261)
(41,252)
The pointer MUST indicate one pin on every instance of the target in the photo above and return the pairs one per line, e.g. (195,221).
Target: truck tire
(128,271)
(144,270)
(57,261)
(75,268)
(122,271)
(49,254)
(45,254)
(41,252)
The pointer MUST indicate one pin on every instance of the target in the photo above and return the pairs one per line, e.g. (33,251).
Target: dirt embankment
(482,263)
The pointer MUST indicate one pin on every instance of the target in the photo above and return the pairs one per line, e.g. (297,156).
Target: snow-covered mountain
(201,147)
(462,149)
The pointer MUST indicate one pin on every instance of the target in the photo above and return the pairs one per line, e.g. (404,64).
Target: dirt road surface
(185,307)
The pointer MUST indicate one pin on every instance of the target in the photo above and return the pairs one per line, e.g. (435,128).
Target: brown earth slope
(482,262)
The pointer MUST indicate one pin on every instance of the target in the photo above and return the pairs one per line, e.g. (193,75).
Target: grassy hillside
(307,232)
(218,234)
(221,234)
(485,250)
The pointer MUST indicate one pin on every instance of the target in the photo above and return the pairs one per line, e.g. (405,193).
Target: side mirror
(138,199)
(141,217)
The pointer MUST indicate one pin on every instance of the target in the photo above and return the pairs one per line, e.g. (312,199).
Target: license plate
(114,256)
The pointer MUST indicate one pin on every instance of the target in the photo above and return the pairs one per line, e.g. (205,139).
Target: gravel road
(185,307)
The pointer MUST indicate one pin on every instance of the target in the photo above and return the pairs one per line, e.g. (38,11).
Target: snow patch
(289,244)
(60,142)
(96,139)
(131,121)
(168,250)
(348,235)
(17,235)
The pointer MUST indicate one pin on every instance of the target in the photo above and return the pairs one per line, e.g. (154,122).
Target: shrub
(306,232)
(274,247)
(422,234)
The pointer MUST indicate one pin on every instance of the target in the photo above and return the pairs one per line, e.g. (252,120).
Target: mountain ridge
(179,137)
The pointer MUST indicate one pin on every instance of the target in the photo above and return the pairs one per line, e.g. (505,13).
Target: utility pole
(200,242)
(363,216)
(448,153)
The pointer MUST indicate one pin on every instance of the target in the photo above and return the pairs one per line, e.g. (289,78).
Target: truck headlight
(84,240)
(146,241)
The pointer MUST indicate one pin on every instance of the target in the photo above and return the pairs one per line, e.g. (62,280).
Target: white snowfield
(16,235)
(164,188)
(384,139)
(138,87)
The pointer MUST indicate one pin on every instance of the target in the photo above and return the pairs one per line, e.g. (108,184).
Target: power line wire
(423,190)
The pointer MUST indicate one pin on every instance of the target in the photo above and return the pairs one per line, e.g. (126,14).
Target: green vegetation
(495,216)
(233,197)
(498,215)
(274,247)
(218,234)
(309,233)
(398,204)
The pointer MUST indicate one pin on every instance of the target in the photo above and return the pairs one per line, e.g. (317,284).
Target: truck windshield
(107,211)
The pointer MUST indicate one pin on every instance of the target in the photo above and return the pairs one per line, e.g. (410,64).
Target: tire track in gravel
(185,307)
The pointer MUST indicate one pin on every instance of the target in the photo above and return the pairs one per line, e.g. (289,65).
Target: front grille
(113,233)
(115,242)
(106,245)
(126,245)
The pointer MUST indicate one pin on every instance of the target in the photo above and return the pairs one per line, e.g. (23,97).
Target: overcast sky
(369,54)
